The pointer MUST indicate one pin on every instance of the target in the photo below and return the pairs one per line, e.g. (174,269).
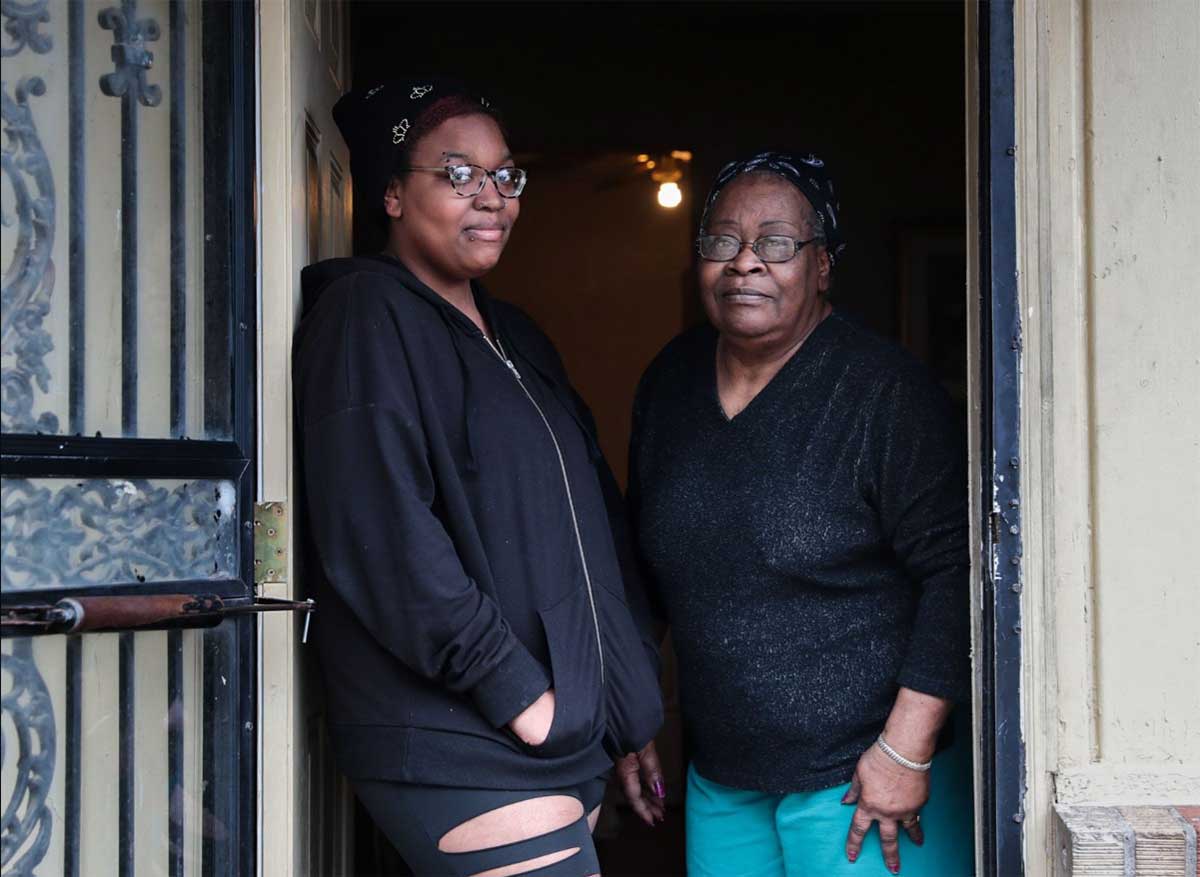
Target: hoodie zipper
(498,349)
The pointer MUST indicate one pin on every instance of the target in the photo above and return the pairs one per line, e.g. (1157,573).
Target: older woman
(483,666)
(800,503)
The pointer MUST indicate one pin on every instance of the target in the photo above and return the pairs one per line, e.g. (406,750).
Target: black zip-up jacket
(466,542)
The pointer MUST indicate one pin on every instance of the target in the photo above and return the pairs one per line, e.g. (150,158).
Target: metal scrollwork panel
(28,217)
(130,55)
(27,214)
(64,533)
(22,25)
(27,752)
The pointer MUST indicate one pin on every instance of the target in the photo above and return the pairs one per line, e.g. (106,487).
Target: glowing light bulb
(670,195)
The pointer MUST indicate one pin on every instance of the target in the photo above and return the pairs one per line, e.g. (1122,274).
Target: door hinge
(270,542)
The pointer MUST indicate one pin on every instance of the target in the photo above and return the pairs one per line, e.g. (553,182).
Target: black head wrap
(381,122)
(807,173)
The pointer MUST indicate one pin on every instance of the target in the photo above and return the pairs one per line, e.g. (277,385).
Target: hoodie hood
(315,279)
(318,277)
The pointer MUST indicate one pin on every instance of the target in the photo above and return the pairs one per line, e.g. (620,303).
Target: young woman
(484,661)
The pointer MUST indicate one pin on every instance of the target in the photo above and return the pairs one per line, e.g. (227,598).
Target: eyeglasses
(768,248)
(468,180)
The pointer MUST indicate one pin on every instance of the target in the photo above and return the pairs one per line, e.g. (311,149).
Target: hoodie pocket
(575,669)
(633,697)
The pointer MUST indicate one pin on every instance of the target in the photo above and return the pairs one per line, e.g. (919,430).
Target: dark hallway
(876,89)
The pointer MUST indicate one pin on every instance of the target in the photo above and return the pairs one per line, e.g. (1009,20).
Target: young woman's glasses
(468,180)
(768,248)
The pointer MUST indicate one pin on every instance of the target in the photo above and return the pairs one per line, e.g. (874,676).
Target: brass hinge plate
(270,542)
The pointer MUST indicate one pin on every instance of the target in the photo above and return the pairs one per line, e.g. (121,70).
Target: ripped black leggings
(415,818)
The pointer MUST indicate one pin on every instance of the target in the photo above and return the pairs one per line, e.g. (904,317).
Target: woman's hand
(533,723)
(890,793)
(642,782)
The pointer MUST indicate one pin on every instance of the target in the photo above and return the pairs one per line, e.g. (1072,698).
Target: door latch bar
(150,612)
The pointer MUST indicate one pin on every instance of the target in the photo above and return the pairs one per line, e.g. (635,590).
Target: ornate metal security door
(127,422)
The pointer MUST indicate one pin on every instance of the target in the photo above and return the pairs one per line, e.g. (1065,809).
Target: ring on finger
(911,821)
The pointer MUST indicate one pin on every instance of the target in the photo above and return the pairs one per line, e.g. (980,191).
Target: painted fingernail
(853,857)
(895,869)
(659,789)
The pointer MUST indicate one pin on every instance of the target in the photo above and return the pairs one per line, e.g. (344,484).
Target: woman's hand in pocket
(533,723)
(642,781)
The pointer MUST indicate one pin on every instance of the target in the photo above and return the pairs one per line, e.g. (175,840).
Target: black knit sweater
(810,554)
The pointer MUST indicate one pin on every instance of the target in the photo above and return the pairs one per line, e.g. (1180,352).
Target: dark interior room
(607,104)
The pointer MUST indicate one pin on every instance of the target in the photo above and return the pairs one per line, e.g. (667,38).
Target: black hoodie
(466,541)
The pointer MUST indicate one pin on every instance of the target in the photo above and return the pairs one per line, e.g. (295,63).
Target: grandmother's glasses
(468,180)
(768,248)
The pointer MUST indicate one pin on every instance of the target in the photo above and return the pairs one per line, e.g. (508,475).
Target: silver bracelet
(920,767)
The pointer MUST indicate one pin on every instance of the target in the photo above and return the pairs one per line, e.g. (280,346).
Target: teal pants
(738,833)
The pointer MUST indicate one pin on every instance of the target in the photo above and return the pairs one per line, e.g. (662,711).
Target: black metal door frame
(1002,770)
(231,200)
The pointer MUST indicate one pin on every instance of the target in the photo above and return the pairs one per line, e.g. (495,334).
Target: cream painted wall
(1109,220)
(1144,268)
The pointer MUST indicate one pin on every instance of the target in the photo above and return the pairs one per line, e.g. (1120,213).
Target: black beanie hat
(379,123)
